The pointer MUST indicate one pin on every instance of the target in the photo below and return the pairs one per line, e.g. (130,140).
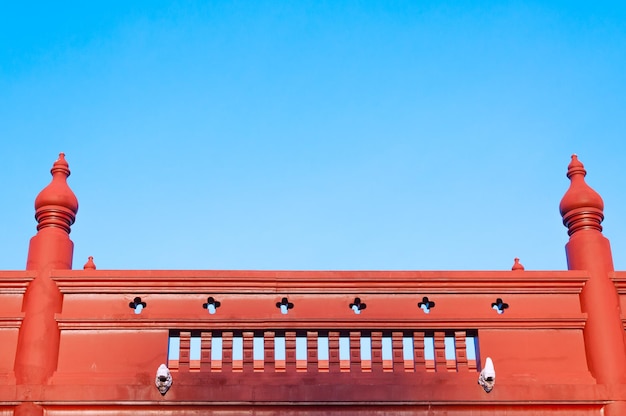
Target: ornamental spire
(90,265)
(581,207)
(517,265)
(56,205)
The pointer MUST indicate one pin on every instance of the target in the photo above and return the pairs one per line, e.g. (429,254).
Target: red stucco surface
(71,344)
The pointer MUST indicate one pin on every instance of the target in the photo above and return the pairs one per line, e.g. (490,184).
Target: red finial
(575,167)
(90,265)
(56,205)
(581,206)
(517,265)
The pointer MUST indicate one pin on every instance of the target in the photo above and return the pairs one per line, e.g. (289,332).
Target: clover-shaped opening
(357,306)
(137,305)
(499,306)
(284,305)
(211,305)
(426,304)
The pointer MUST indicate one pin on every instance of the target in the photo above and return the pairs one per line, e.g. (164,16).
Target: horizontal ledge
(11,322)
(490,288)
(461,402)
(317,324)
(619,279)
(318,282)
(324,274)
(15,282)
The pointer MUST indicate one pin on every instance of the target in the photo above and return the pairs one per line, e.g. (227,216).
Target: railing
(323,351)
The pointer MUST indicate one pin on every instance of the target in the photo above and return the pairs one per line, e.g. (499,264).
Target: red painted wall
(71,344)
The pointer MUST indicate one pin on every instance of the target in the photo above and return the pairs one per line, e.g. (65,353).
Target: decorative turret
(588,250)
(55,211)
(517,265)
(39,336)
(581,206)
(56,205)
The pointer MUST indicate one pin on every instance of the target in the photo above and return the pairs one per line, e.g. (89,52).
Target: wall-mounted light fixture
(487,377)
(499,306)
(211,305)
(357,306)
(163,379)
(426,304)
(137,305)
(284,305)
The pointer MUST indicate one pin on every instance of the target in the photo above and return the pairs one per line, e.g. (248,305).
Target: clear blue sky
(313,135)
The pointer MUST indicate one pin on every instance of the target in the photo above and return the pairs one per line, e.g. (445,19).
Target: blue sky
(313,135)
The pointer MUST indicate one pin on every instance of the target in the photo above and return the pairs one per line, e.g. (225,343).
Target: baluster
(377,352)
(333,351)
(185,346)
(419,360)
(290,351)
(268,349)
(311,351)
(206,338)
(355,351)
(248,354)
(227,351)
(461,352)
(398,354)
(440,351)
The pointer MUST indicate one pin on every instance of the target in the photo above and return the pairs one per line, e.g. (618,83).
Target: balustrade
(323,351)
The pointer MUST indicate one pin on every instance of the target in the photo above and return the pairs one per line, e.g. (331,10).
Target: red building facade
(284,342)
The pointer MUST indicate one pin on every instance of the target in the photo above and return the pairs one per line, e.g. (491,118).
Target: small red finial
(575,167)
(517,265)
(90,265)
(56,205)
(581,206)
(61,165)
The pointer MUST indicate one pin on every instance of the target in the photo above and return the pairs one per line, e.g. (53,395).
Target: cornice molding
(310,282)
